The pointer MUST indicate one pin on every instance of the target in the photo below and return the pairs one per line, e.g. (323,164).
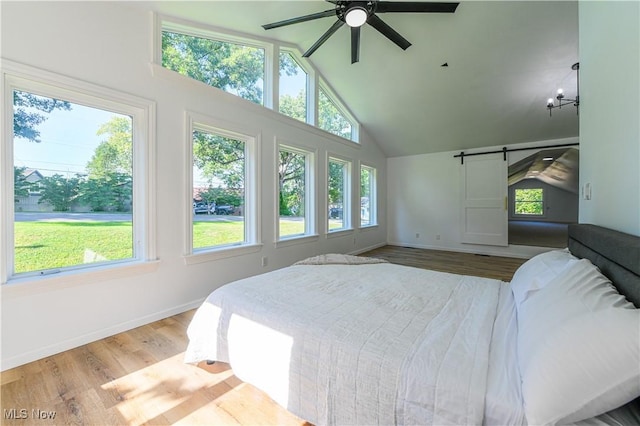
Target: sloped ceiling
(556,167)
(505,59)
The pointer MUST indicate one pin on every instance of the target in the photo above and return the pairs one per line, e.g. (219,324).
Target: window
(330,118)
(529,202)
(293,88)
(295,193)
(368,203)
(218,190)
(234,68)
(255,69)
(338,194)
(79,164)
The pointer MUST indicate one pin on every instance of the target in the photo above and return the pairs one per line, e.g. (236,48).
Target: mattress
(358,344)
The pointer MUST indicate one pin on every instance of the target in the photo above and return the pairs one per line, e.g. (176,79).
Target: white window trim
(16,76)
(311,220)
(373,200)
(347,207)
(252,216)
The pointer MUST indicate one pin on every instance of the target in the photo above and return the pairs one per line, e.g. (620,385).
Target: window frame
(272,49)
(252,237)
(347,198)
(373,199)
(529,215)
(16,76)
(311,222)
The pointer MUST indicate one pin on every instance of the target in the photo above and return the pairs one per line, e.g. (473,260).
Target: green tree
(294,107)
(27,109)
(115,153)
(330,119)
(231,67)
(219,158)
(20,184)
(109,192)
(336,183)
(529,201)
(291,183)
(59,191)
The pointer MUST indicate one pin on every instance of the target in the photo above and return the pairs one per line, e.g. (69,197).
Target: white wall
(610,113)
(424,198)
(110,44)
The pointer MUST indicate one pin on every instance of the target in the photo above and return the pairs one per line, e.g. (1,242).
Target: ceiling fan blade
(299,19)
(355,44)
(324,38)
(415,7)
(388,32)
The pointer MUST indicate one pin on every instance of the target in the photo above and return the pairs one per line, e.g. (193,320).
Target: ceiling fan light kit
(560,94)
(356,16)
(357,13)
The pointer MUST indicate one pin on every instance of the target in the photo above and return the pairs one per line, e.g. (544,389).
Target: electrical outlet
(437,236)
(417,235)
(264,261)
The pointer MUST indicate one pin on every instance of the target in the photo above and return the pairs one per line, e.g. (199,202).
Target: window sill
(369,227)
(221,253)
(339,233)
(292,241)
(44,283)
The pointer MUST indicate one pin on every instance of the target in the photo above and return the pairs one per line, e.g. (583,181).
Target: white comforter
(358,344)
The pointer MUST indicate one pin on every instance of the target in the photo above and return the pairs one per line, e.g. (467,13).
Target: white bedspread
(357,344)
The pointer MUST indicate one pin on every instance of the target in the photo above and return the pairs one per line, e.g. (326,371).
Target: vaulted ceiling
(505,58)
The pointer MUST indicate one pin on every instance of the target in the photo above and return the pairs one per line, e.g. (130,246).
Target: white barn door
(484,200)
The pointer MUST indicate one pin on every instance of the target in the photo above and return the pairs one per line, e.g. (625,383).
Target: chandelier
(560,98)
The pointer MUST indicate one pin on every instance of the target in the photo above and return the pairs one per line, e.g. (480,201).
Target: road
(105,217)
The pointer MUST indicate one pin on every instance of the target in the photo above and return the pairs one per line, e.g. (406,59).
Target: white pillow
(578,347)
(536,272)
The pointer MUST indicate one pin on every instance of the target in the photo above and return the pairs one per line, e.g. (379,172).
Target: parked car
(335,213)
(200,208)
(224,210)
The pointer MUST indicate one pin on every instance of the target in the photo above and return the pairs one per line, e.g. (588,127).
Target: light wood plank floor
(138,377)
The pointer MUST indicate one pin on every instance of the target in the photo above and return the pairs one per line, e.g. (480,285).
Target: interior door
(484,200)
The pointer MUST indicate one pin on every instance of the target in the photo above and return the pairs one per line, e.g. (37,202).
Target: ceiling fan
(356,13)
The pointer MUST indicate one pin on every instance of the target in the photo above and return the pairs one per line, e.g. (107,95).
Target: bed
(339,339)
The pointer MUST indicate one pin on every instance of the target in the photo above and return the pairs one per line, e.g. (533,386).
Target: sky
(68,141)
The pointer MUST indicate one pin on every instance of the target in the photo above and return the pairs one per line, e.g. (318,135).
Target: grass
(50,245)
(42,245)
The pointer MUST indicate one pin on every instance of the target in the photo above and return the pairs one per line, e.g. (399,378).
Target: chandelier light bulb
(550,102)
(356,17)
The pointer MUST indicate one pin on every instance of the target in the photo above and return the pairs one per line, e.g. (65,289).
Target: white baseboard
(66,345)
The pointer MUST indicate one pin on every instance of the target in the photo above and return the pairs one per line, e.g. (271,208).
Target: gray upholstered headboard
(616,254)
(618,257)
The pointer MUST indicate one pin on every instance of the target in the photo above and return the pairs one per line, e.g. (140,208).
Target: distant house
(30,203)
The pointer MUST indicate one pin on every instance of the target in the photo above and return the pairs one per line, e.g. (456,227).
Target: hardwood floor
(501,268)
(138,377)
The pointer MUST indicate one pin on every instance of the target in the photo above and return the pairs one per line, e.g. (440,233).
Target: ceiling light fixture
(356,16)
(560,94)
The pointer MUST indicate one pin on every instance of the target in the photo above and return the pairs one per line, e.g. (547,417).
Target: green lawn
(49,245)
